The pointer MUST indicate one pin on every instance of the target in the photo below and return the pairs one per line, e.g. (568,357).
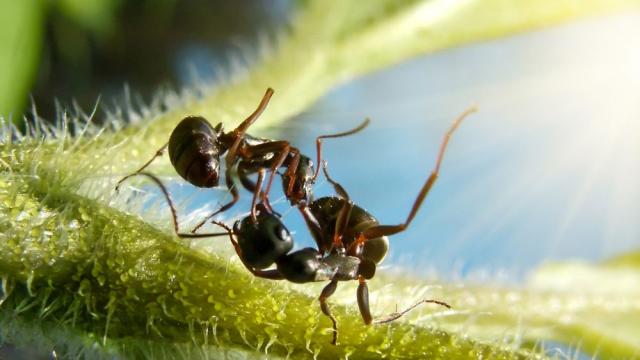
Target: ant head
(264,241)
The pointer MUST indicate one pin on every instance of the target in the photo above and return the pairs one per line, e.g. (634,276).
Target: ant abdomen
(194,151)
(326,211)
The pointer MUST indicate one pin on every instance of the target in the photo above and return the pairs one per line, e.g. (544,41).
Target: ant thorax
(346,267)
(251,140)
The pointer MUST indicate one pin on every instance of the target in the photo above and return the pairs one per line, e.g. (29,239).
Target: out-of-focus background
(547,170)
(74,50)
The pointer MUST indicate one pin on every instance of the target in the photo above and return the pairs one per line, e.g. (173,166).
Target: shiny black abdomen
(194,151)
(326,210)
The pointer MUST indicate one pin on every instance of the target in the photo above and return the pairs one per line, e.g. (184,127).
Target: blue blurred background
(548,169)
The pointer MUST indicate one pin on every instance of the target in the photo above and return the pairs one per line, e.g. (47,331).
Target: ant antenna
(360,127)
(174,214)
(393,316)
(158,153)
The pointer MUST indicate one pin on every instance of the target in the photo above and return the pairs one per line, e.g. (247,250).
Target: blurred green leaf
(594,306)
(97,16)
(20,43)
(630,259)
(591,308)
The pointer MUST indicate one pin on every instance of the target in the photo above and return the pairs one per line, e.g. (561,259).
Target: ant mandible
(195,148)
(351,242)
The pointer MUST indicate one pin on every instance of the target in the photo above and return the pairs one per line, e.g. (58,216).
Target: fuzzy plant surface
(83,274)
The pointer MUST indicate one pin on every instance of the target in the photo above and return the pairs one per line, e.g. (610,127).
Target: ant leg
(326,292)
(256,193)
(385,230)
(157,154)
(363,300)
(364,124)
(243,174)
(341,224)
(314,227)
(345,211)
(225,207)
(265,274)
(363,305)
(174,214)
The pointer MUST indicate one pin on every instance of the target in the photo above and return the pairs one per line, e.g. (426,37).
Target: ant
(195,148)
(351,242)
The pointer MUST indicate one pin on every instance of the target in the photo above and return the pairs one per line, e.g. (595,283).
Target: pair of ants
(350,241)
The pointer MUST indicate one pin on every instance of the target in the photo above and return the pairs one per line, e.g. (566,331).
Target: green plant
(84,278)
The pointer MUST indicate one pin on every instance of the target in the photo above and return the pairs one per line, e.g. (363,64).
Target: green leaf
(96,15)
(82,276)
(630,260)
(20,39)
